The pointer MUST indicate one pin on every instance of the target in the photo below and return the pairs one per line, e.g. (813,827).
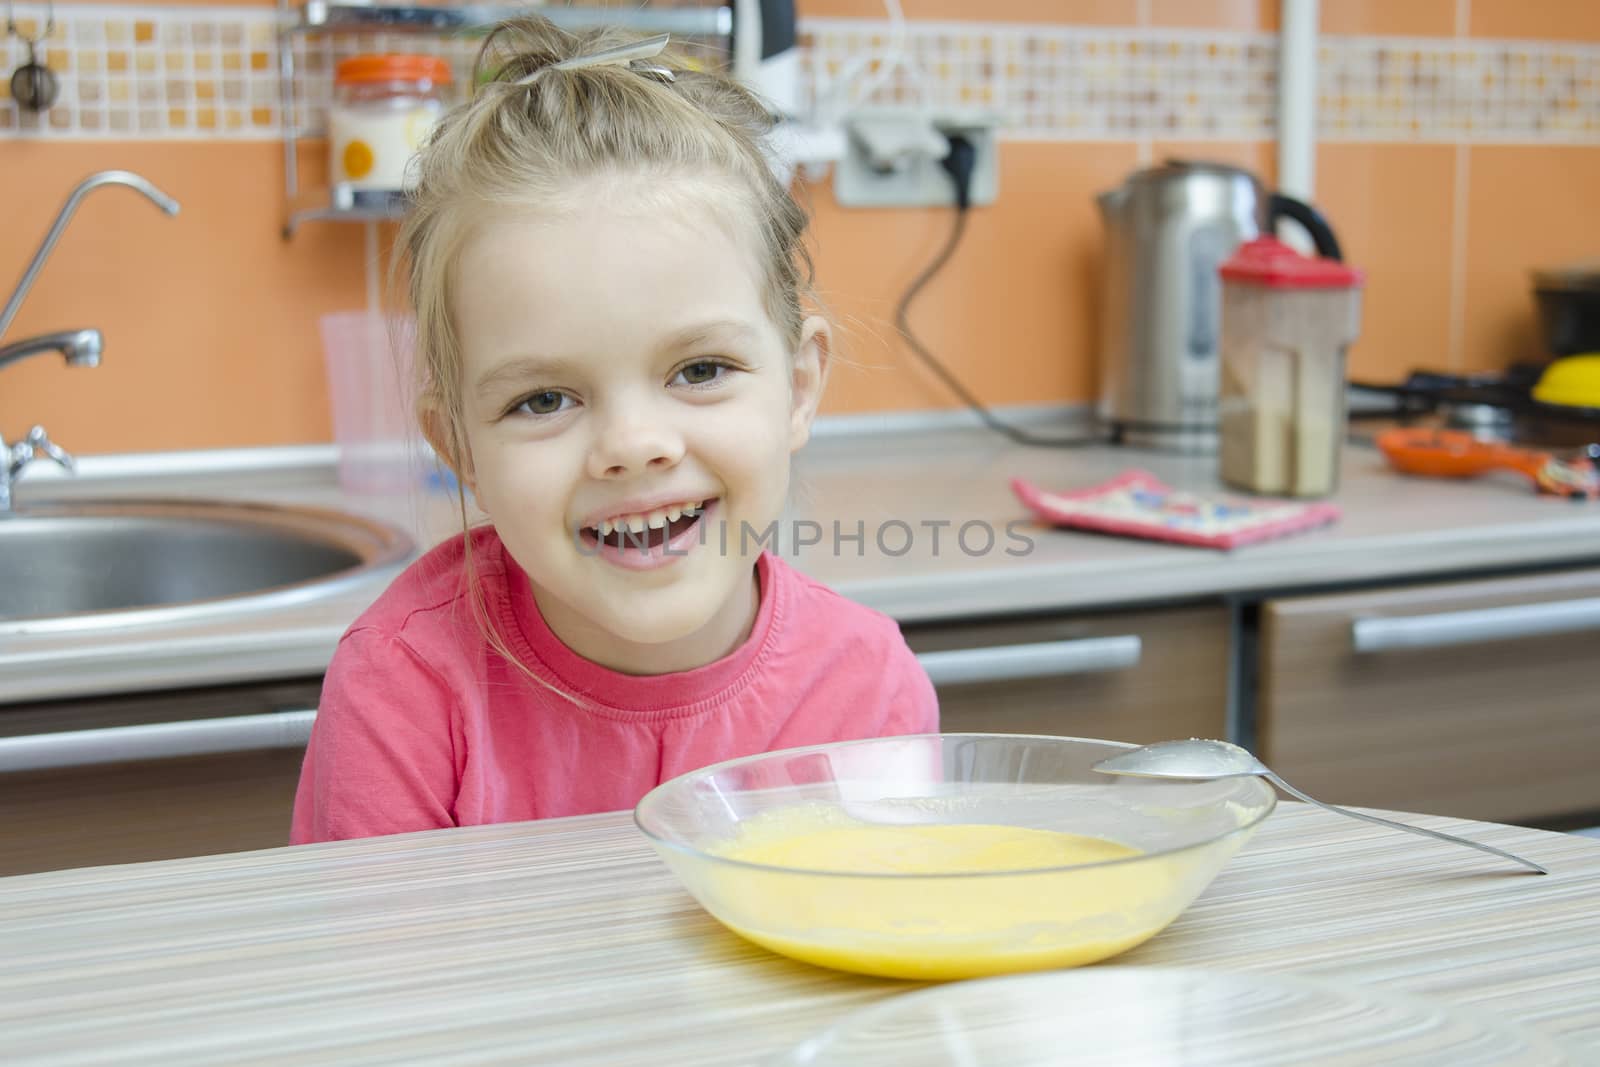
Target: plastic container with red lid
(1287,320)
(1268,261)
(383,109)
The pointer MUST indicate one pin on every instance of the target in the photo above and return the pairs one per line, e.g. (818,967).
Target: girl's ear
(439,430)
(807,378)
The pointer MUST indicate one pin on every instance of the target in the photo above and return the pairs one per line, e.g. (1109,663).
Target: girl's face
(619,370)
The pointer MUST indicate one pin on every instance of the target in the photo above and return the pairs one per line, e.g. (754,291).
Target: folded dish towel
(1137,504)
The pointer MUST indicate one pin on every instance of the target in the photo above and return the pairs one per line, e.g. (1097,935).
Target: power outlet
(892,158)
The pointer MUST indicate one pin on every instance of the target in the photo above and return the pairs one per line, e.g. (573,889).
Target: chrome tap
(92,182)
(80,348)
(15,457)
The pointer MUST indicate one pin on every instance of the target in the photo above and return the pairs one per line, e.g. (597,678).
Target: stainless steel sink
(83,565)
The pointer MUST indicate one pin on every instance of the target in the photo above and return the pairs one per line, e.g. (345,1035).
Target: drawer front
(147,810)
(150,777)
(1475,699)
(1134,676)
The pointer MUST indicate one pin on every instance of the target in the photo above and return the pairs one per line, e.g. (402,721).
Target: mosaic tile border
(190,73)
(193,73)
(1059,83)
(1432,90)
(151,73)
(1050,83)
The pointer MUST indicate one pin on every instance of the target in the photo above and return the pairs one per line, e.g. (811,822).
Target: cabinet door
(150,777)
(1126,676)
(1477,699)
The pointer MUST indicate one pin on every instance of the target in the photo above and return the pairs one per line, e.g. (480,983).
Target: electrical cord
(959,163)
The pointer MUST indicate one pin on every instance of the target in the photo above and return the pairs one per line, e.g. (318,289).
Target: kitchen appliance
(1167,229)
(1287,320)
(1498,406)
(1569,307)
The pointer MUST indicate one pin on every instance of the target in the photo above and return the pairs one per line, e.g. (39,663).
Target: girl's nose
(633,442)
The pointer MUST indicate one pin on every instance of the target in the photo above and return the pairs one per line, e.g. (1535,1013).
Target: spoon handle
(1287,788)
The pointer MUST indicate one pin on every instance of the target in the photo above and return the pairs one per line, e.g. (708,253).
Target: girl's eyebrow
(520,370)
(725,331)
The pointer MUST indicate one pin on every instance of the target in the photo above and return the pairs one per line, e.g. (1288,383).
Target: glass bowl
(851,855)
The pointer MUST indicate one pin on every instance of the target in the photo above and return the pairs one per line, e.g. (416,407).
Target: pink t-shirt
(423,724)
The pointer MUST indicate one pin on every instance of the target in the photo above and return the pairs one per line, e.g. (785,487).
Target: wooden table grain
(569,942)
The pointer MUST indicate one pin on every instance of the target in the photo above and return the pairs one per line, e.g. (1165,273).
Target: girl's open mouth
(647,541)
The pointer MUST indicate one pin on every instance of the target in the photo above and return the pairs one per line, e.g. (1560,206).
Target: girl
(607,282)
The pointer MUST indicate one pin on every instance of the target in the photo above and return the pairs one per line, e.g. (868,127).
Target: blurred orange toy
(1458,454)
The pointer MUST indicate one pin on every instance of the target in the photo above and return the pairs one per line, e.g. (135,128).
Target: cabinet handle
(1377,634)
(1004,663)
(162,740)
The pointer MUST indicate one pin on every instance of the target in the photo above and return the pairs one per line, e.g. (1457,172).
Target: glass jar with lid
(383,108)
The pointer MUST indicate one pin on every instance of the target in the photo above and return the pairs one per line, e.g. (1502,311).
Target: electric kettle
(1167,230)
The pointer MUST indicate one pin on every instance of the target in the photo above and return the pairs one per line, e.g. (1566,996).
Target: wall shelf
(341,203)
(319,17)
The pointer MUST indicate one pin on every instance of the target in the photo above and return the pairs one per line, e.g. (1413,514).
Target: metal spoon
(1199,759)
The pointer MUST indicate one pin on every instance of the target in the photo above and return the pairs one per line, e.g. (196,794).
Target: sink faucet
(85,187)
(15,457)
(80,348)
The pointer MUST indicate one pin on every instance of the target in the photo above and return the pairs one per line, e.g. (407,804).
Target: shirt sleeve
(381,759)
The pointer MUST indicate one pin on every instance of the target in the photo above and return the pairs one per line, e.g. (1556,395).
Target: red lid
(392,68)
(1268,261)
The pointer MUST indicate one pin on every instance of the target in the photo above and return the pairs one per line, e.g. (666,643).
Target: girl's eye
(546,403)
(702,372)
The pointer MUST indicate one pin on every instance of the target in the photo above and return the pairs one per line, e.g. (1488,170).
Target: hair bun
(519,49)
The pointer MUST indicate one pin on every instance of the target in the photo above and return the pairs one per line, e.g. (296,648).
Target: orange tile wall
(210,318)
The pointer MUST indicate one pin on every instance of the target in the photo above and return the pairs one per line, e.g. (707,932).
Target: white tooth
(692,508)
(604,527)
(657,518)
(636,523)
(674,513)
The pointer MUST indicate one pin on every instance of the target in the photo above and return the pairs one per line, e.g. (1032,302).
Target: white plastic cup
(368,359)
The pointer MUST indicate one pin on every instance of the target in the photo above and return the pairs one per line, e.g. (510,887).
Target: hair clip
(654,71)
(623,54)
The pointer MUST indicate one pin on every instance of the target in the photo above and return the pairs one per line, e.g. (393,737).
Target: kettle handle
(1281,206)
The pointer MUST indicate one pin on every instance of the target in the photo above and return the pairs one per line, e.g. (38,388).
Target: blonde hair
(524,146)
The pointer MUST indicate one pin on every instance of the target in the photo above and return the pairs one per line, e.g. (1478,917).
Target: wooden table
(568,942)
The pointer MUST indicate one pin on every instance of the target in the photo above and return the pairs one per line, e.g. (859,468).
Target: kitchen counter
(1394,528)
(568,941)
